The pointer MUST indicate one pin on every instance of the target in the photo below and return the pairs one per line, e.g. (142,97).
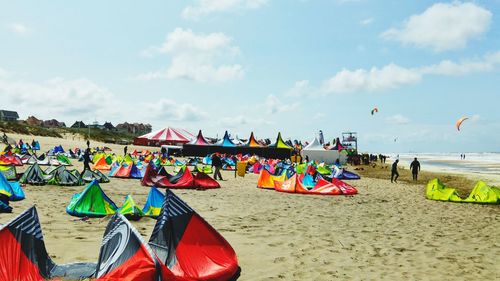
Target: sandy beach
(386,232)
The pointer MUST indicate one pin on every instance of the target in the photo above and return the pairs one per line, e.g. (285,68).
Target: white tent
(315,151)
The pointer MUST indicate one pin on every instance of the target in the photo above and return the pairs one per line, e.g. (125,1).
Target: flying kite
(374,110)
(460,121)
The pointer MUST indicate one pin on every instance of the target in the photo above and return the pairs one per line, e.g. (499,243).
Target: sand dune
(386,232)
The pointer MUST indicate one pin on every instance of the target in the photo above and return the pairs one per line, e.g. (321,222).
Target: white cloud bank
(443,26)
(203,8)
(393,76)
(194,57)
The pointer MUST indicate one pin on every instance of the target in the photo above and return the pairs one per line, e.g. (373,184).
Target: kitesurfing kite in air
(460,121)
(374,110)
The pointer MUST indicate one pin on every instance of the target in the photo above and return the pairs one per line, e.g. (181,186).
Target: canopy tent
(316,152)
(200,147)
(280,143)
(252,142)
(199,140)
(225,141)
(174,136)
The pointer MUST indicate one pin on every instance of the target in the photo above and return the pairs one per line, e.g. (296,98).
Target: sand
(386,232)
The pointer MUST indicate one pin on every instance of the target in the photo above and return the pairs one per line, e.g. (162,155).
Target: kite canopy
(12,190)
(124,255)
(459,122)
(34,175)
(24,257)
(9,172)
(189,246)
(92,202)
(305,184)
(154,202)
(184,179)
(89,176)
(374,110)
(130,210)
(268,181)
(482,193)
(61,176)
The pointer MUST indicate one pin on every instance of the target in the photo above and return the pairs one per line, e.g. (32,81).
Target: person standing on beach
(125,151)
(87,160)
(217,163)
(394,171)
(415,168)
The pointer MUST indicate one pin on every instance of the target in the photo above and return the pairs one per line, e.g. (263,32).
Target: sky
(267,66)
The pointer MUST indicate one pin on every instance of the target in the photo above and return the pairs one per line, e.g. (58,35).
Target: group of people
(414,167)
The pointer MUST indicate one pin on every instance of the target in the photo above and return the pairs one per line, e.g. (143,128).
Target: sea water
(483,163)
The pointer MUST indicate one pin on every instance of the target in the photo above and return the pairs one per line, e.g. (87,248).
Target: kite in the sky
(460,121)
(374,110)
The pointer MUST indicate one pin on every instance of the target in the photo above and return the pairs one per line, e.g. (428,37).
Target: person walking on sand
(217,163)
(87,160)
(125,151)
(394,171)
(415,168)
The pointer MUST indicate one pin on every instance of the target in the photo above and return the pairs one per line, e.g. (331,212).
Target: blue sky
(295,66)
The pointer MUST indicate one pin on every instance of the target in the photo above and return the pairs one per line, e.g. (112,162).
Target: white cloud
(299,89)
(240,121)
(447,67)
(170,110)
(205,7)
(194,56)
(366,21)
(393,76)
(18,28)
(275,105)
(388,77)
(443,26)
(57,98)
(397,119)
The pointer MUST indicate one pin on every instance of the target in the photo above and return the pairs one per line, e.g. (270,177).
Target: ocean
(483,163)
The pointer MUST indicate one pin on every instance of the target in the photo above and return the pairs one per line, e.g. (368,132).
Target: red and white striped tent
(172,136)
